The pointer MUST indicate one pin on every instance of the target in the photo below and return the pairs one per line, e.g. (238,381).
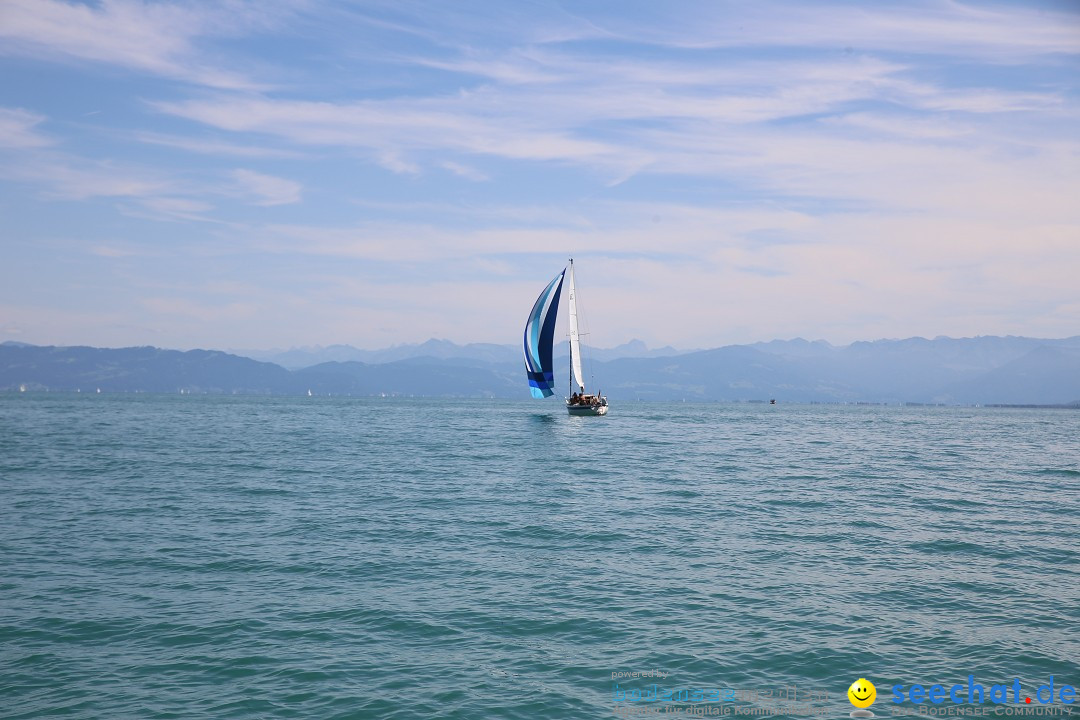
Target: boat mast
(573,325)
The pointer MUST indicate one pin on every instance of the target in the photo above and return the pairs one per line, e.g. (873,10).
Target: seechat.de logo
(974,693)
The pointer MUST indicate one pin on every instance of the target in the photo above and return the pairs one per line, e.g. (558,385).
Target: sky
(272,174)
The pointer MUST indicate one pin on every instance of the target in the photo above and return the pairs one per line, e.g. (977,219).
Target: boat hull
(587,409)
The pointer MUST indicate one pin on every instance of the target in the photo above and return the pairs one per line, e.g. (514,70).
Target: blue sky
(269,174)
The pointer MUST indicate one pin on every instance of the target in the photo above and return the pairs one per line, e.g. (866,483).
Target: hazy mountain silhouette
(981,370)
(301,357)
(1045,375)
(145,369)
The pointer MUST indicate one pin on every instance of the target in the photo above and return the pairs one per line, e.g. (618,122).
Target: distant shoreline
(986,371)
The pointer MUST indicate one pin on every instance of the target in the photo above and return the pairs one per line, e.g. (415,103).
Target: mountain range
(979,370)
(297,358)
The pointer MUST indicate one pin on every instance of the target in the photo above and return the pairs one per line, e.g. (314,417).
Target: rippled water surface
(178,557)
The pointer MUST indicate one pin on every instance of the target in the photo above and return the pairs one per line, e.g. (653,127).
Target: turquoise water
(221,557)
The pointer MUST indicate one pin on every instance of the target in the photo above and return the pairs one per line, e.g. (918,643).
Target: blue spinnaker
(539,334)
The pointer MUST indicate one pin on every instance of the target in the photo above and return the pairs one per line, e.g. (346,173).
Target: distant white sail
(575,339)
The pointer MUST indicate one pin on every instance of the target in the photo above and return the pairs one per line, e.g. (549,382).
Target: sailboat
(539,337)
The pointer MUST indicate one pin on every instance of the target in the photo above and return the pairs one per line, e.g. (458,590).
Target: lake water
(242,557)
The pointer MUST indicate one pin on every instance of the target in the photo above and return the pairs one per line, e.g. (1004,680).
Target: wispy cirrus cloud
(739,171)
(386,126)
(1002,32)
(67,178)
(157,194)
(465,171)
(902,125)
(18,129)
(719,123)
(167,208)
(213,146)
(998,33)
(265,189)
(150,37)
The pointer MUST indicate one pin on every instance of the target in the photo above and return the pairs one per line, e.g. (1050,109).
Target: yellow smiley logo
(862,693)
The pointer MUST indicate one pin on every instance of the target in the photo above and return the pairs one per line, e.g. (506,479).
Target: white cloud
(697,276)
(393,162)
(165,208)
(903,125)
(73,179)
(827,169)
(266,189)
(157,195)
(621,119)
(151,37)
(513,70)
(1005,33)
(465,171)
(18,129)
(388,127)
(209,146)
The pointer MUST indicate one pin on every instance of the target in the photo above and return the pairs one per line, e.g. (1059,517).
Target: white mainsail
(575,340)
